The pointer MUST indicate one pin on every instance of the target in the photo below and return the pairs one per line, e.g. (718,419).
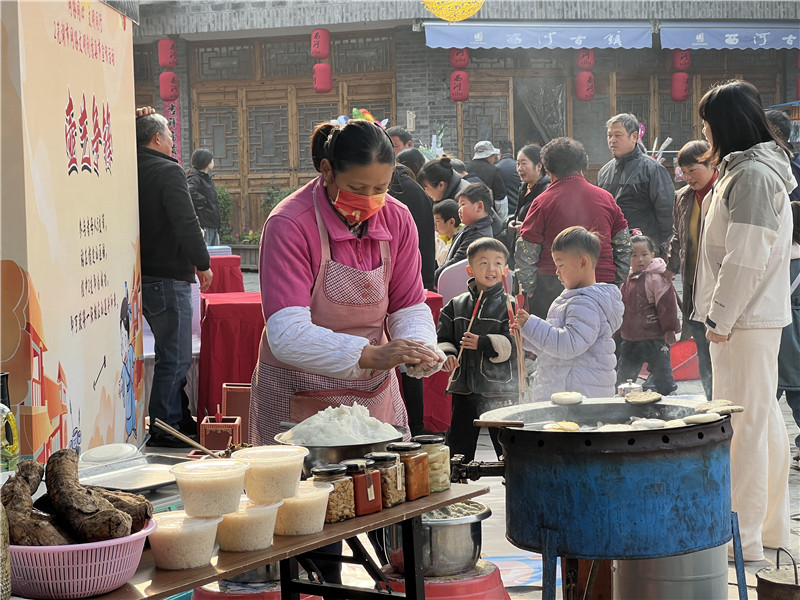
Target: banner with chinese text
(70,293)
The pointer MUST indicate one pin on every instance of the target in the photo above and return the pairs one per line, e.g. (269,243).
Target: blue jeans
(167,306)
(211,236)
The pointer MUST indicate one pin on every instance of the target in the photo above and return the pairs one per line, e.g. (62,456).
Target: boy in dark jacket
(473,210)
(484,376)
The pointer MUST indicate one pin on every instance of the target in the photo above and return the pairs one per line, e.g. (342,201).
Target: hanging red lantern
(459,86)
(320,43)
(584,86)
(585,59)
(323,78)
(681,60)
(167,54)
(168,86)
(459,58)
(679,89)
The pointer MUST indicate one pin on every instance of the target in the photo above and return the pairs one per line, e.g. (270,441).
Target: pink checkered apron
(345,300)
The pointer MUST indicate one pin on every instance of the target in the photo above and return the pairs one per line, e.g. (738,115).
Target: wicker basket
(76,570)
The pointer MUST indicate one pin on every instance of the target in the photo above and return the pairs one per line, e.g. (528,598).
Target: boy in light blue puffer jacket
(574,346)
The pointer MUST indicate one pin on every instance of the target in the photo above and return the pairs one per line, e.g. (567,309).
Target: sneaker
(796,461)
(163,440)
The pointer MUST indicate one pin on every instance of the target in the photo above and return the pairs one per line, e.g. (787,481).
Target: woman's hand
(469,341)
(396,352)
(451,364)
(716,338)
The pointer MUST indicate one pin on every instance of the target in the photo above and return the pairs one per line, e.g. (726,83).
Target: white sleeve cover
(413,323)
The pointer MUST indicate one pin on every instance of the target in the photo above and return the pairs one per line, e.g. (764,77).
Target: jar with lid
(415,461)
(366,483)
(438,460)
(341,501)
(393,481)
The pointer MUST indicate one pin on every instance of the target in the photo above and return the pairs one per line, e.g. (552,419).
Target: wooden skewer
(461,348)
(177,434)
(522,371)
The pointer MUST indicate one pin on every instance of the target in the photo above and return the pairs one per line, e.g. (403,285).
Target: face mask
(357,208)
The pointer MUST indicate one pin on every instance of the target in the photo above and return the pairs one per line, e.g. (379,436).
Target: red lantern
(584,86)
(679,89)
(585,59)
(459,86)
(320,43)
(168,86)
(681,60)
(167,53)
(323,78)
(459,58)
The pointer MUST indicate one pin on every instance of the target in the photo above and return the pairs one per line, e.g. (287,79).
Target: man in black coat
(507,165)
(172,247)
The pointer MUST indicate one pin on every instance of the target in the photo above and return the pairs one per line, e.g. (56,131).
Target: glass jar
(438,460)
(415,462)
(366,483)
(341,502)
(393,481)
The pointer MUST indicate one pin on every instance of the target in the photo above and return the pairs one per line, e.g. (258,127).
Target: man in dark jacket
(641,186)
(507,165)
(204,195)
(482,166)
(172,247)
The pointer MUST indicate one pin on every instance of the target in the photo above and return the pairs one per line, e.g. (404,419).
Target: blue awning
(688,35)
(543,34)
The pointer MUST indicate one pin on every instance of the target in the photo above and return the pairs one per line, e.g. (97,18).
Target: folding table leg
(412,558)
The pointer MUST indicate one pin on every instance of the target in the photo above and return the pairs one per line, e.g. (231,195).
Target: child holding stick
(473,332)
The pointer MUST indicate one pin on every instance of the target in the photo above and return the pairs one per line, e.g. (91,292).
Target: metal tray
(138,474)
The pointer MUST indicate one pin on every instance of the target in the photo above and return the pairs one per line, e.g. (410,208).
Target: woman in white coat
(741,293)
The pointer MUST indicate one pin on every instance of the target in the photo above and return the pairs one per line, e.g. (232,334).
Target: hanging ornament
(323,78)
(585,59)
(584,86)
(679,88)
(459,86)
(320,43)
(453,11)
(459,58)
(681,60)
(168,86)
(167,53)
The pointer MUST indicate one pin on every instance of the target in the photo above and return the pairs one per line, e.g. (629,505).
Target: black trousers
(463,435)
(412,394)
(632,355)
(703,356)
(548,288)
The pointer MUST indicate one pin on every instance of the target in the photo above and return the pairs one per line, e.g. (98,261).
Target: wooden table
(149,582)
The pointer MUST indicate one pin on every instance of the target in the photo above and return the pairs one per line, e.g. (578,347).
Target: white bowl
(304,513)
(210,488)
(274,472)
(249,528)
(108,453)
(183,542)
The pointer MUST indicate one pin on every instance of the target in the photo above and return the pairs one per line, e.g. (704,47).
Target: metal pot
(779,583)
(327,455)
(449,546)
(268,572)
(623,389)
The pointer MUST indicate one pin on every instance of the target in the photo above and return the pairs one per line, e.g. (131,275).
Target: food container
(210,488)
(451,539)
(438,460)
(304,513)
(341,502)
(108,453)
(249,528)
(183,542)
(623,389)
(366,485)
(274,471)
(393,480)
(415,462)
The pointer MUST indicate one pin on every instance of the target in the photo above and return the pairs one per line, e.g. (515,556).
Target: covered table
(437,403)
(227,274)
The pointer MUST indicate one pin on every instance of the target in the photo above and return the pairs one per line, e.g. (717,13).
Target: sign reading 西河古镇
(70,291)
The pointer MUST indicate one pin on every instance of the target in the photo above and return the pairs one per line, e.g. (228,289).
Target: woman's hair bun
(445,161)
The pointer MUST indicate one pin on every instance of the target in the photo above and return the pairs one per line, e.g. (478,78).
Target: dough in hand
(566,398)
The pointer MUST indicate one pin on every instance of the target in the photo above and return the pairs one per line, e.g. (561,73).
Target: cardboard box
(236,402)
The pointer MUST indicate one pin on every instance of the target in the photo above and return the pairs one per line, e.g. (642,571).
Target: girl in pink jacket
(651,318)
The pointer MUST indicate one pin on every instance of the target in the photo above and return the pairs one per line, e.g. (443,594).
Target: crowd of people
(346,259)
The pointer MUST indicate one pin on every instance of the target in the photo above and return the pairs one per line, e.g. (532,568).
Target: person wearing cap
(204,195)
(482,166)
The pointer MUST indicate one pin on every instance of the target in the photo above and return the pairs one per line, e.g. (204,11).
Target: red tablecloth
(230,334)
(436,413)
(227,274)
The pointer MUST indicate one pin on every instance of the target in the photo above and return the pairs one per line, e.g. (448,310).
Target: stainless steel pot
(623,389)
(326,455)
(264,573)
(449,546)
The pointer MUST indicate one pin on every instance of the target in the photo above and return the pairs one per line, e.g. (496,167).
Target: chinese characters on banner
(172,111)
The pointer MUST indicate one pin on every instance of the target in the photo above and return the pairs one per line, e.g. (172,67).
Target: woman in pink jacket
(339,268)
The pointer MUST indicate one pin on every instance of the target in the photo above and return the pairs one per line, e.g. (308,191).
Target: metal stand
(738,559)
